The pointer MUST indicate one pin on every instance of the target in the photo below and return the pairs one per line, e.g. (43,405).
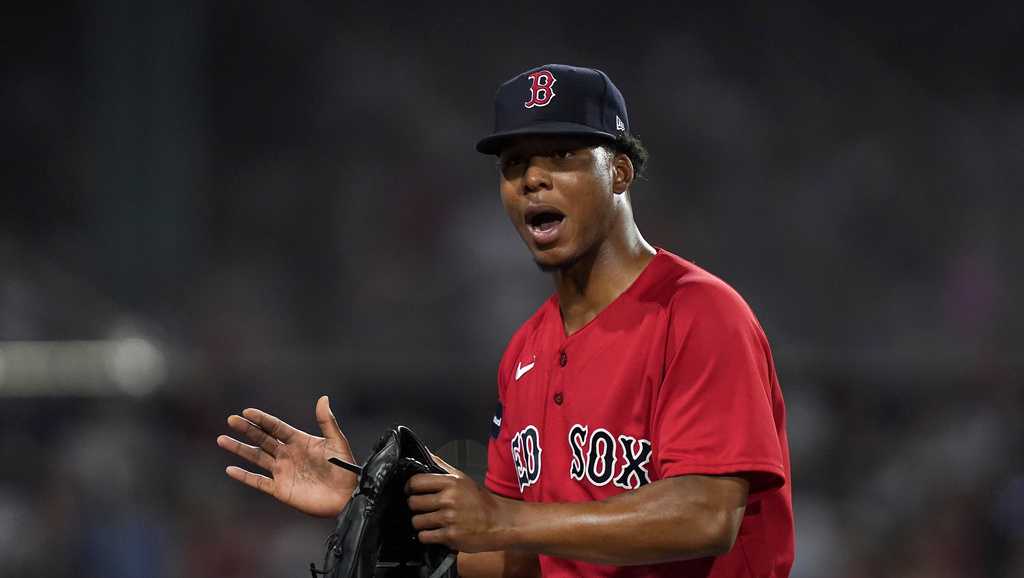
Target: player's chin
(560,253)
(553,258)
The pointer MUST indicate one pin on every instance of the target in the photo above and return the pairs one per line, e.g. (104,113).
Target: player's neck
(599,277)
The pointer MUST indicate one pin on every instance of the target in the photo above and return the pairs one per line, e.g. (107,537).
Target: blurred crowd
(271,201)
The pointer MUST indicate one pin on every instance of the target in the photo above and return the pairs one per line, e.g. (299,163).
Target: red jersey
(674,377)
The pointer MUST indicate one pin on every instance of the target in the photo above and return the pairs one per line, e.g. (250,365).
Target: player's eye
(564,154)
(510,167)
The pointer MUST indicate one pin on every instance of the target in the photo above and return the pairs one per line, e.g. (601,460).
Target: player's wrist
(505,529)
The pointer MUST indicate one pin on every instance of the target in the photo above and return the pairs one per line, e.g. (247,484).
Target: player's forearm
(501,564)
(665,521)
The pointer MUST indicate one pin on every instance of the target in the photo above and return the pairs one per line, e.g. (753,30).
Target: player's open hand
(300,475)
(451,509)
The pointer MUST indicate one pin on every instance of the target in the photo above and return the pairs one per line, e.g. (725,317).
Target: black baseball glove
(374,536)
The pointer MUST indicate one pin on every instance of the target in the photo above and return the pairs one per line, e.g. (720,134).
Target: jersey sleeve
(714,410)
(501,472)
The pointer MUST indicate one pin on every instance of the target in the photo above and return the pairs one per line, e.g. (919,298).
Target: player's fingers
(424,502)
(326,420)
(261,483)
(246,451)
(254,433)
(270,424)
(436,536)
(427,483)
(428,521)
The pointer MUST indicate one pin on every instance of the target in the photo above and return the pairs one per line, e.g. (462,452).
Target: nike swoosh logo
(521,369)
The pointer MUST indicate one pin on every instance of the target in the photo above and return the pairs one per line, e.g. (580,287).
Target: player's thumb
(445,465)
(326,420)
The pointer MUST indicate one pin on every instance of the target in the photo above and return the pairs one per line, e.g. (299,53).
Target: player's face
(558,193)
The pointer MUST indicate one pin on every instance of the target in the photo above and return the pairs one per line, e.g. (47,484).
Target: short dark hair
(631,146)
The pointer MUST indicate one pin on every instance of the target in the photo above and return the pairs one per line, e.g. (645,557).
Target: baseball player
(640,427)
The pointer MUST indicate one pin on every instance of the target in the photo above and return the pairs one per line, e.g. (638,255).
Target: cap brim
(492,144)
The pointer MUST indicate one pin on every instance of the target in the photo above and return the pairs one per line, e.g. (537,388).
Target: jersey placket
(554,397)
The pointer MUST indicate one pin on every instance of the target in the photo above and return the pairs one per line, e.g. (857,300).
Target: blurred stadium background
(214,205)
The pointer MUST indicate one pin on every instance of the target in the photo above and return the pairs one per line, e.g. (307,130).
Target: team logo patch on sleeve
(496,421)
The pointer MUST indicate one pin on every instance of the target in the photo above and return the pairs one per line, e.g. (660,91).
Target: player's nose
(536,177)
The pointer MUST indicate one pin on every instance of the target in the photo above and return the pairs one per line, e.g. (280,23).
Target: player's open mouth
(544,224)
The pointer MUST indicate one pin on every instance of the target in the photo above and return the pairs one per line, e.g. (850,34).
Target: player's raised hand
(300,475)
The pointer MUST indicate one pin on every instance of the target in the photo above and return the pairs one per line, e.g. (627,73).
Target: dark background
(209,206)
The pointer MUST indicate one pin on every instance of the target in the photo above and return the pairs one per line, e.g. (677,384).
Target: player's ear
(622,172)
